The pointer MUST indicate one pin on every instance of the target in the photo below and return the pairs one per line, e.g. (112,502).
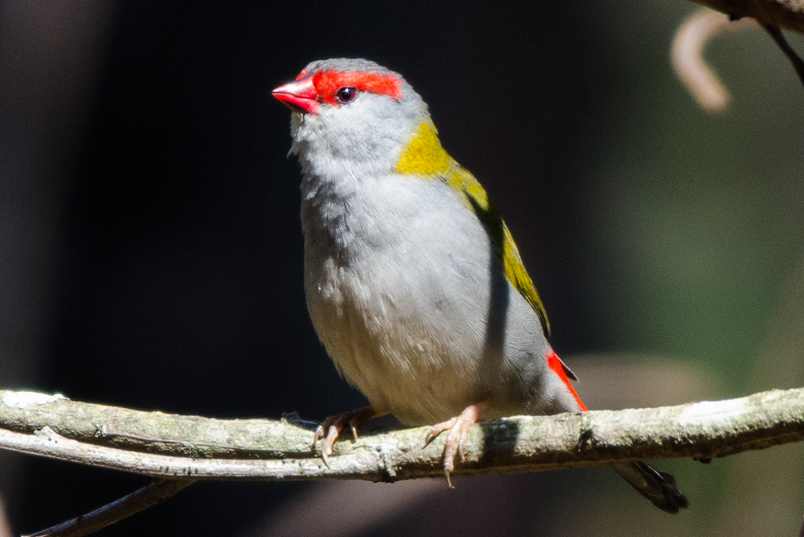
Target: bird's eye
(346,94)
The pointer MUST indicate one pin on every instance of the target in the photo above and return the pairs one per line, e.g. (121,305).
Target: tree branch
(170,446)
(178,450)
(787,14)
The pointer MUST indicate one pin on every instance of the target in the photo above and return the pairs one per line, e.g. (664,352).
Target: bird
(412,279)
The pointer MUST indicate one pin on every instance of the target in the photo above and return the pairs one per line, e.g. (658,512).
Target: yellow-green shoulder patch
(424,155)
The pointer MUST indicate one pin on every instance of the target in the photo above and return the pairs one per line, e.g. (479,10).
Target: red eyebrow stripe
(327,83)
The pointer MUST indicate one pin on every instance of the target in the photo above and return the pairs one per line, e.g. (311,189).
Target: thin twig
(148,496)
(795,60)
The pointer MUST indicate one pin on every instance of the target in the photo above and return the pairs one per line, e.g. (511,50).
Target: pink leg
(458,428)
(334,424)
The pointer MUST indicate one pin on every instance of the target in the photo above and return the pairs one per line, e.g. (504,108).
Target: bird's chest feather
(397,291)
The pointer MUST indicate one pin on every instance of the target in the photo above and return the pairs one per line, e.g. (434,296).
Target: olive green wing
(477,200)
(515,272)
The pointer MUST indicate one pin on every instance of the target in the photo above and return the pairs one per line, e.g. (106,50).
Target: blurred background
(151,251)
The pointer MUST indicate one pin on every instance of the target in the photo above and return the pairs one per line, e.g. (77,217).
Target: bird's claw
(457,436)
(333,426)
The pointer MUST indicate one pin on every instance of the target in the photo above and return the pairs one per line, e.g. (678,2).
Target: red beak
(299,95)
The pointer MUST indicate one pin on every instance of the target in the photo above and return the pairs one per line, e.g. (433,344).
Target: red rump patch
(329,81)
(555,364)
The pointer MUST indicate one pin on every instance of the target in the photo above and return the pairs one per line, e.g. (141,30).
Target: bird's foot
(333,425)
(458,428)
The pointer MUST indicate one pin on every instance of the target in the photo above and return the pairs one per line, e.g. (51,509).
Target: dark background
(151,252)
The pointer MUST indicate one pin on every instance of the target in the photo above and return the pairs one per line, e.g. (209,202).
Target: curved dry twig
(687,57)
(698,29)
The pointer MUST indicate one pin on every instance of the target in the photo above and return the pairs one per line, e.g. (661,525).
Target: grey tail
(657,486)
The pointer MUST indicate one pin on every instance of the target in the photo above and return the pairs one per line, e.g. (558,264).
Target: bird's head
(351,111)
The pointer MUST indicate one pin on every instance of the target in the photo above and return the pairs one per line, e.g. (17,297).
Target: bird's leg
(333,425)
(458,428)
